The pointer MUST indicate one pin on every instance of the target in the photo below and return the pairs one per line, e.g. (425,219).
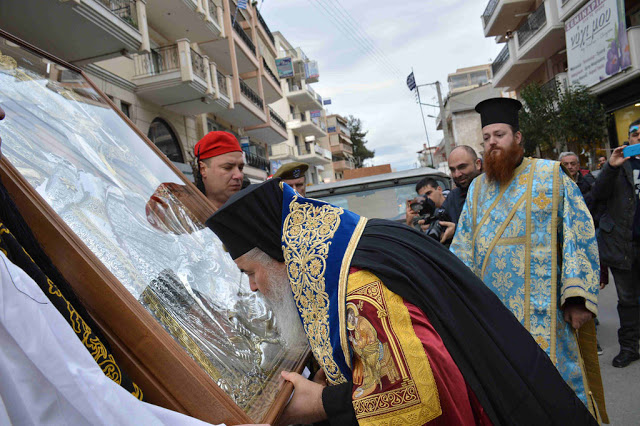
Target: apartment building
(467,87)
(595,43)
(339,141)
(305,115)
(177,69)
(469,78)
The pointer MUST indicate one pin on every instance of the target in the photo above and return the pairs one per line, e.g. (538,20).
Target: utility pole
(444,121)
(425,126)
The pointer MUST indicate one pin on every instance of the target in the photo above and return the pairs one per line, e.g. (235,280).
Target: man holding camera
(618,185)
(425,212)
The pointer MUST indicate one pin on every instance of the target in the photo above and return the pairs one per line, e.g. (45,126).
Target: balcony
(314,154)
(508,71)
(303,96)
(264,27)
(177,18)
(175,77)
(341,148)
(541,34)
(305,125)
(219,90)
(282,151)
(272,132)
(270,83)
(625,76)
(257,161)
(501,16)
(342,165)
(106,28)
(248,107)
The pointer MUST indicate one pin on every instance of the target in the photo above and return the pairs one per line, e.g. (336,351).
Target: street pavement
(621,385)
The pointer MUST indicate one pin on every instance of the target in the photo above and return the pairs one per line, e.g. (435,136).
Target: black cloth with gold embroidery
(59,293)
(514,380)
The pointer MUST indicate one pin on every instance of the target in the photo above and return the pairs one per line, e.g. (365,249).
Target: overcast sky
(433,37)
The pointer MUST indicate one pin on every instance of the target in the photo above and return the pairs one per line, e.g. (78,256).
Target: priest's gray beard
(284,306)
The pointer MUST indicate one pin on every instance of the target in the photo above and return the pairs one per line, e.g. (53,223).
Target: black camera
(431,215)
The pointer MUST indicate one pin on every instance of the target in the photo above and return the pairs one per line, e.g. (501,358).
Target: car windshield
(384,203)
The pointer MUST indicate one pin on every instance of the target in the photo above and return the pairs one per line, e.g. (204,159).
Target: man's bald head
(464,165)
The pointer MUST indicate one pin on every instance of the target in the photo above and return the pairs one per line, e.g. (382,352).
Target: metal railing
(197,63)
(533,23)
(251,95)
(488,11)
(244,36)
(269,71)
(503,57)
(123,9)
(550,86)
(162,59)
(257,161)
(222,84)
(213,11)
(266,28)
(277,119)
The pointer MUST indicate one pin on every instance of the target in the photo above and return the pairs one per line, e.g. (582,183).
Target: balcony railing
(550,86)
(251,95)
(123,9)
(269,71)
(277,119)
(488,11)
(244,36)
(222,84)
(213,11)
(500,60)
(320,123)
(257,161)
(162,59)
(266,28)
(197,63)
(534,22)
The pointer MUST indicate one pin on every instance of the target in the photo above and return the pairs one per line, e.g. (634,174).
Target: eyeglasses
(634,129)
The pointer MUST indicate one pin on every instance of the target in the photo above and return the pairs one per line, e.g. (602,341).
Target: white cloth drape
(46,374)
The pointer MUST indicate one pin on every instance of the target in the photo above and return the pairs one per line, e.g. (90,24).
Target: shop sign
(311,70)
(284,67)
(597,44)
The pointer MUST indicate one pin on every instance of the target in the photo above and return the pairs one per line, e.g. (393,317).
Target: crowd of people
(493,323)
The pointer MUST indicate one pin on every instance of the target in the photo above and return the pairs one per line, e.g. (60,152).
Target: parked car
(380,196)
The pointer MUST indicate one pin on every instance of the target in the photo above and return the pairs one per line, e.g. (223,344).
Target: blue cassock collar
(318,241)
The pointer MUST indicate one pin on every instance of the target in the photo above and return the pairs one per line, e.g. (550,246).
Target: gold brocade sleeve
(392,379)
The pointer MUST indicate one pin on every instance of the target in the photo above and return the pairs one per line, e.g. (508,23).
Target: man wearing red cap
(220,164)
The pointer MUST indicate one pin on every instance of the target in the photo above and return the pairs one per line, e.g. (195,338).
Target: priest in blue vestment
(526,232)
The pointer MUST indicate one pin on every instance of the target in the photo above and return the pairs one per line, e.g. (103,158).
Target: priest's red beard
(499,164)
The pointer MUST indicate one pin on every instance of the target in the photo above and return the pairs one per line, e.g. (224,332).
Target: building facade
(305,116)
(339,141)
(177,69)
(595,43)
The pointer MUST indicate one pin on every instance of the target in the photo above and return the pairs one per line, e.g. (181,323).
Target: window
(161,134)
(212,126)
(125,108)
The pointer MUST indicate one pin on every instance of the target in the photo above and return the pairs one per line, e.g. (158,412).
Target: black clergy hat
(293,170)
(251,218)
(499,110)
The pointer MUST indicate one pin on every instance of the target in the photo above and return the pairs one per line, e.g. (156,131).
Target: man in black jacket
(465,166)
(619,240)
